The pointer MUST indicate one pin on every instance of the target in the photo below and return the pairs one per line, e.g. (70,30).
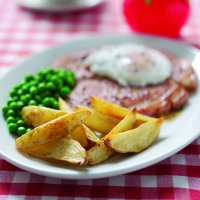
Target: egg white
(130,64)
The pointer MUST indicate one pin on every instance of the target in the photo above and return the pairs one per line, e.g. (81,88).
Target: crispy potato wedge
(135,140)
(64,106)
(100,152)
(38,115)
(79,135)
(91,136)
(98,121)
(64,149)
(52,130)
(115,110)
(85,136)
(108,108)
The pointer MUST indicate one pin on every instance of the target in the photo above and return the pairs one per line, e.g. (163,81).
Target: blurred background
(24,31)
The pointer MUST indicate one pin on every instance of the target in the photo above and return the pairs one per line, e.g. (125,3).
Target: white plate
(59,5)
(174,136)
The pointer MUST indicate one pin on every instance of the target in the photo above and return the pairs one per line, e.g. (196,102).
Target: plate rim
(60,7)
(126,169)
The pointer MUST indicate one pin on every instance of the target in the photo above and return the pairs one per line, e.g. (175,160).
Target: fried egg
(130,64)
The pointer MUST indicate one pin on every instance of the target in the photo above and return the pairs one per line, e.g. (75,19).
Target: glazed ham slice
(154,100)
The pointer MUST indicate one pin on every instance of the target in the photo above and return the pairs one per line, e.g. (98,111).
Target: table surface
(23,33)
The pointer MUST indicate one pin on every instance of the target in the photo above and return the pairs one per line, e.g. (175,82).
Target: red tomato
(161,17)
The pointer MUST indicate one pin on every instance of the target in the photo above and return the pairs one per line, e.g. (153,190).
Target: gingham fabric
(23,33)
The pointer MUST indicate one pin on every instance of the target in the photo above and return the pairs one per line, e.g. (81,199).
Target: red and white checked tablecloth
(23,33)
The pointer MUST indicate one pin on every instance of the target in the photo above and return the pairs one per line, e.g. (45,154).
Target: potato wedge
(64,149)
(52,130)
(79,135)
(135,140)
(115,110)
(38,115)
(98,121)
(91,136)
(108,108)
(64,106)
(85,136)
(100,152)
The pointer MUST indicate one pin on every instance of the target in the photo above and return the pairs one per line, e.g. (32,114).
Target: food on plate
(51,130)
(135,140)
(84,135)
(64,149)
(114,110)
(42,89)
(37,115)
(98,121)
(69,138)
(111,108)
(151,81)
(64,106)
(79,135)
(90,134)
(129,65)
(99,152)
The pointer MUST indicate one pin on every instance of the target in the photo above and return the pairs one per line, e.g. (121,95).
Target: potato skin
(52,130)
(135,140)
(38,115)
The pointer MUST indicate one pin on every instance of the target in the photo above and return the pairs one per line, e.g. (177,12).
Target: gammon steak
(152,100)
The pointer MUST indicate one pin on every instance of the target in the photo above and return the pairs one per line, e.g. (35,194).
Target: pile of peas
(42,89)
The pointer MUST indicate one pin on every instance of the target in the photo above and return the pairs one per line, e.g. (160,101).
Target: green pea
(28,78)
(70,73)
(61,75)
(56,95)
(54,79)
(48,77)
(23,82)
(20,104)
(5,110)
(55,105)
(10,112)
(10,100)
(16,87)
(25,88)
(13,105)
(28,130)
(38,78)
(43,72)
(32,102)
(18,117)
(20,92)
(38,99)
(15,98)
(41,86)
(21,130)
(50,71)
(61,71)
(33,90)
(48,102)
(20,122)
(12,127)
(13,92)
(11,119)
(70,81)
(47,93)
(34,83)
(50,86)
(25,98)
(64,92)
